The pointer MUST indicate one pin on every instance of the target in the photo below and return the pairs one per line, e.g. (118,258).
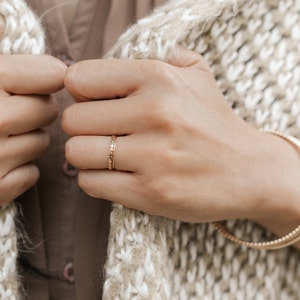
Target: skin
(182,152)
(25,105)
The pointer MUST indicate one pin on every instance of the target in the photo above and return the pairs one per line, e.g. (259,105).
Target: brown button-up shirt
(68,230)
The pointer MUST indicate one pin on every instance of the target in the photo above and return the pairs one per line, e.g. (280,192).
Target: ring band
(112,150)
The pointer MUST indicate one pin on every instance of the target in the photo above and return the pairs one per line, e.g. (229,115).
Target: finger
(31,74)
(91,152)
(17,182)
(122,116)
(119,187)
(112,78)
(183,58)
(18,150)
(20,114)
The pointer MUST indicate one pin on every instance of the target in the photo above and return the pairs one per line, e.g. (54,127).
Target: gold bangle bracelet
(287,240)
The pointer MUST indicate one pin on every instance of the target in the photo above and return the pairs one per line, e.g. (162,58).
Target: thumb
(184,58)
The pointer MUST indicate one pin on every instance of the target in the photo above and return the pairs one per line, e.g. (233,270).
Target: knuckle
(169,76)
(160,114)
(159,191)
(167,73)
(160,70)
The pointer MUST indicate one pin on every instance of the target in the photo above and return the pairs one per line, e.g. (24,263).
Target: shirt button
(69,170)
(69,272)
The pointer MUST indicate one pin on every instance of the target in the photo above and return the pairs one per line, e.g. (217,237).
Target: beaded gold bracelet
(287,240)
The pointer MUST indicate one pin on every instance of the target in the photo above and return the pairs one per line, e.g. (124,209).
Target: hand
(181,152)
(25,106)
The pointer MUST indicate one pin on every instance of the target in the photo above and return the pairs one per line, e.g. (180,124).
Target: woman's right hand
(25,107)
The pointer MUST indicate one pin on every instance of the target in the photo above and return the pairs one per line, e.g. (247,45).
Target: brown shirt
(69,230)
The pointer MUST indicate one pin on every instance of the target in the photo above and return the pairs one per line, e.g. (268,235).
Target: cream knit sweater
(253,49)
(22,34)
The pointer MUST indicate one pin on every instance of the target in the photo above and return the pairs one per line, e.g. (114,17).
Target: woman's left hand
(181,152)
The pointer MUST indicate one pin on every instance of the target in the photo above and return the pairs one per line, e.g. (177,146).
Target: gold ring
(112,150)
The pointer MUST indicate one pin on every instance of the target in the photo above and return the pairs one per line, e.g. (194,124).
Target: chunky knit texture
(22,34)
(253,50)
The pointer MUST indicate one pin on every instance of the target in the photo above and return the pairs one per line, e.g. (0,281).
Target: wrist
(277,207)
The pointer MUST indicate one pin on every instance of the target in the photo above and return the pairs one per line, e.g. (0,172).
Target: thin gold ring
(112,150)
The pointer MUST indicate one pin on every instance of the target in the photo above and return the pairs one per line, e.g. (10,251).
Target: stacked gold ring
(112,150)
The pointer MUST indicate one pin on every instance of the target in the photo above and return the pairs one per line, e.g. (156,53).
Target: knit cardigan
(22,34)
(253,50)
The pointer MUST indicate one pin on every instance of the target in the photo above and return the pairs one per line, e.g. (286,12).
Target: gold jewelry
(287,240)
(112,150)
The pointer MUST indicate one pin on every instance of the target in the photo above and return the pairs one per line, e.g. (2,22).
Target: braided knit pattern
(22,34)
(253,49)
